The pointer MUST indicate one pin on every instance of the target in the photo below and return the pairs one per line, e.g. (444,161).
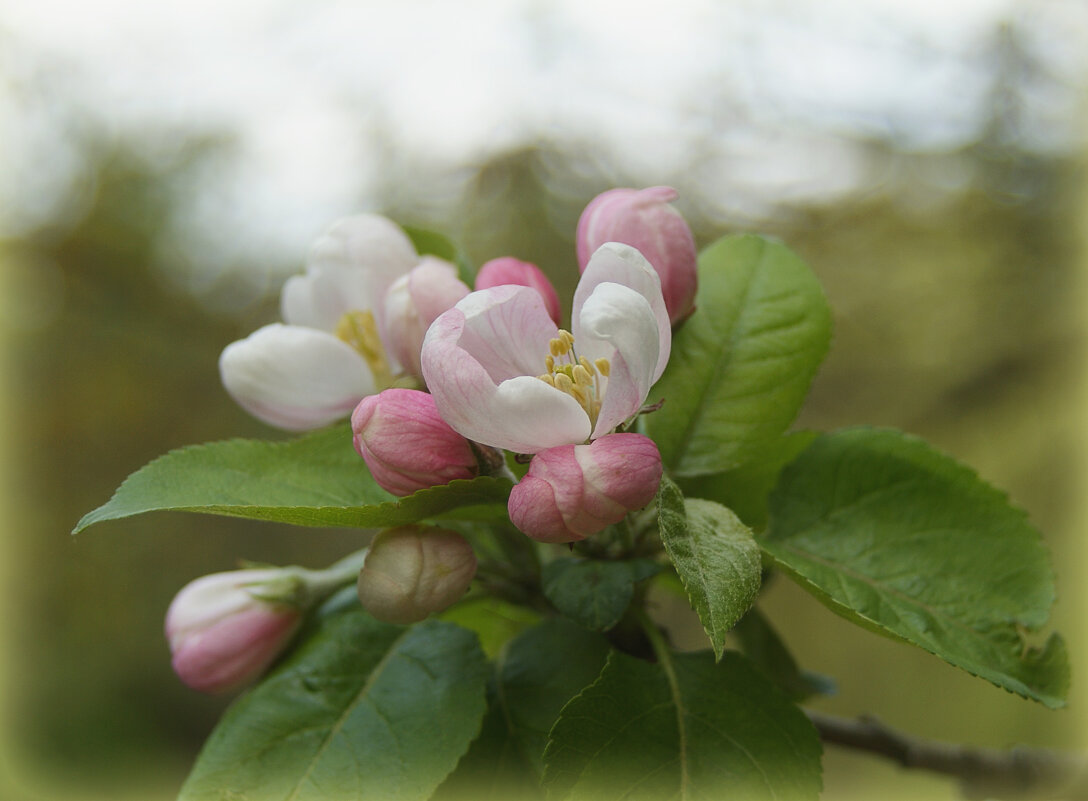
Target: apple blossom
(412,571)
(503,374)
(406,443)
(354,322)
(644,219)
(508,270)
(225,629)
(573,491)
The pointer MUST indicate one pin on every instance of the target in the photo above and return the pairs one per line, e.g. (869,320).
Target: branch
(1018,773)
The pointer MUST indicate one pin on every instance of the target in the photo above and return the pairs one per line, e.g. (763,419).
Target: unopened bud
(508,270)
(412,571)
(643,219)
(412,303)
(225,629)
(406,443)
(573,491)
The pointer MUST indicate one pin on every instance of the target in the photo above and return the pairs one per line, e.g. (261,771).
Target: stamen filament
(359,329)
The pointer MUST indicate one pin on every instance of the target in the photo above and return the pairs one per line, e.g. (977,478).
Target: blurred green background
(928,163)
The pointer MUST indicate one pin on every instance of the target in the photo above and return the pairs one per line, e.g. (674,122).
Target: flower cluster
(354,323)
(440,381)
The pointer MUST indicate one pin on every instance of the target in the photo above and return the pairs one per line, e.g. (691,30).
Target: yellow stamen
(358,329)
(563,383)
(575,375)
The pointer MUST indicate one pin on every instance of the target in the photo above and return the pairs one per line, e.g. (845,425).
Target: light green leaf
(907,542)
(742,363)
(362,710)
(682,728)
(493,620)
(715,556)
(315,480)
(594,593)
(745,489)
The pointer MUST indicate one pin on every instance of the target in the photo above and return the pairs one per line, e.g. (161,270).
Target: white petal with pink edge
(622,264)
(293,377)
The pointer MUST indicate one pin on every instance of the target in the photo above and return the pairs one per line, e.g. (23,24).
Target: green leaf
(436,244)
(682,728)
(745,489)
(362,710)
(493,620)
(742,363)
(594,593)
(762,645)
(715,556)
(535,676)
(905,541)
(315,480)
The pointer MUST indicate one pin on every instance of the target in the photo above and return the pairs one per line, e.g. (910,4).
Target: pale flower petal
(350,268)
(508,270)
(412,304)
(616,323)
(366,242)
(507,329)
(497,404)
(622,264)
(293,377)
(320,297)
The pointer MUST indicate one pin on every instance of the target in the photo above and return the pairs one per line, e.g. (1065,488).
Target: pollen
(575,375)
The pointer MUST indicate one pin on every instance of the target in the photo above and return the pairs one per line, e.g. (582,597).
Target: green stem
(320,584)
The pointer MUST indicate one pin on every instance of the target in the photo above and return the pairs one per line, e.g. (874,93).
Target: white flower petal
(320,297)
(495,405)
(412,304)
(351,265)
(368,242)
(622,264)
(617,323)
(294,377)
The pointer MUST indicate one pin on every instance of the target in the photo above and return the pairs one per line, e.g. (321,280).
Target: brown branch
(1018,773)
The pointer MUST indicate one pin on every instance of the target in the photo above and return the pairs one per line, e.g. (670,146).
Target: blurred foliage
(957,318)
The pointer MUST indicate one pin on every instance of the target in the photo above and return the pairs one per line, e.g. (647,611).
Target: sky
(774,101)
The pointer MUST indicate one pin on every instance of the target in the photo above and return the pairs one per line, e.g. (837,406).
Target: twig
(1018,773)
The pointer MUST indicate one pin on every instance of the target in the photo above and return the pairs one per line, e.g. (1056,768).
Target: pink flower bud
(412,571)
(225,629)
(508,270)
(406,443)
(412,303)
(643,219)
(573,491)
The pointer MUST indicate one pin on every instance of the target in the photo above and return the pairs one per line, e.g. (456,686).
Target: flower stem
(320,584)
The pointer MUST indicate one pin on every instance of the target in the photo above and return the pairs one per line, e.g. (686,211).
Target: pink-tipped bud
(643,219)
(406,443)
(573,491)
(412,303)
(412,571)
(225,629)
(508,270)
